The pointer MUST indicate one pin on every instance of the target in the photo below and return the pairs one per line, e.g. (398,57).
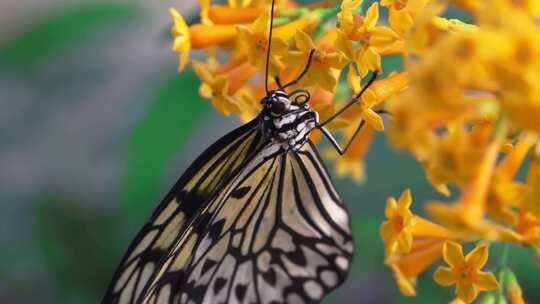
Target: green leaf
(174,112)
(59,30)
(75,245)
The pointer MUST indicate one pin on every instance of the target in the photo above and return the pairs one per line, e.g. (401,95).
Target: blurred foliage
(174,112)
(60,30)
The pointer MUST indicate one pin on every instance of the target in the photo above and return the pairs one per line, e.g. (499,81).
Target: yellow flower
(255,42)
(376,94)
(221,14)
(401,226)
(465,272)
(196,36)
(215,88)
(367,58)
(394,4)
(469,211)
(346,15)
(325,66)
(531,199)
(505,193)
(396,231)
(408,267)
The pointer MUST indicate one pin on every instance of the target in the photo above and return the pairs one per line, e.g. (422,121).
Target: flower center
(398,223)
(466,274)
(261,44)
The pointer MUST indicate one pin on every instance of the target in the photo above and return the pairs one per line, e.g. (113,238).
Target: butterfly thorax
(285,122)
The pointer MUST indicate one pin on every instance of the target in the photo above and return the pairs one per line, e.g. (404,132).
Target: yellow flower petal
(486,281)
(373,119)
(444,276)
(404,240)
(372,16)
(453,254)
(391,208)
(353,79)
(303,41)
(478,257)
(405,201)
(383,37)
(466,292)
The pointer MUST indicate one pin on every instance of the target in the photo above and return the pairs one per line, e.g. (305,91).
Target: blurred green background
(96,125)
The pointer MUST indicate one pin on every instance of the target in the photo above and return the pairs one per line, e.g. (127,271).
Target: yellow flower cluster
(466,104)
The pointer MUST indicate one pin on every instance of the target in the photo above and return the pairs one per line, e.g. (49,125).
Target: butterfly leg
(304,71)
(354,100)
(333,140)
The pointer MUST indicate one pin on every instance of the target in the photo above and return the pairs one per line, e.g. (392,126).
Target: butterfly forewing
(278,232)
(174,213)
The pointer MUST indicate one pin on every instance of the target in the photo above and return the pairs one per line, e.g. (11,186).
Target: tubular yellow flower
(221,14)
(216,88)
(529,227)
(408,267)
(346,15)
(394,4)
(531,199)
(325,67)
(506,193)
(402,226)
(396,231)
(465,272)
(470,209)
(196,36)
(255,42)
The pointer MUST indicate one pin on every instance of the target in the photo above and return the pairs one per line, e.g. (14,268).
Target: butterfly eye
(279,107)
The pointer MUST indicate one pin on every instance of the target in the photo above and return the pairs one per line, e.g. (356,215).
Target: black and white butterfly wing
(196,186)
(278,233)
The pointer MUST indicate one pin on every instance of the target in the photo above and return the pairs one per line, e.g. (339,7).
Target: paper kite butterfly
(255,219)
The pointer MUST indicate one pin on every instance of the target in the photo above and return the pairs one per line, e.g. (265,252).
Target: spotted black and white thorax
(286,122)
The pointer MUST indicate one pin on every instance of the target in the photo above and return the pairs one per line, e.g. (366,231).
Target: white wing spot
(329,278)
(263,261)
(313,290)
(342,262)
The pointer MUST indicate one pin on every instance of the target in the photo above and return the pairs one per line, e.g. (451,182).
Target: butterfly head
(277,103)
(285,121)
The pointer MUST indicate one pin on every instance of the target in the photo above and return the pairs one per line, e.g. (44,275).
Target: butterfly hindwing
(278,233)
(196,186)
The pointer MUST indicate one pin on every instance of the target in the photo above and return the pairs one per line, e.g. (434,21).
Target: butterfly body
(285,122)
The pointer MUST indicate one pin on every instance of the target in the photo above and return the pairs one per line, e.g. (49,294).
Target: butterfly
(254,219)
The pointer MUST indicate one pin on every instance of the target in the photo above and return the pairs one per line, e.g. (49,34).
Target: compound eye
(279,107)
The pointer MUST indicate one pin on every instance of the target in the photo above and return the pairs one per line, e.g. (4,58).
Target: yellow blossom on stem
(505,192)
(221,14)
(255,43)
(219,88)
(408,267)
(325,66)
(346,15)
(396,231)
(196,36)
(531,199)
(465,272)
(470,209)
(402,226)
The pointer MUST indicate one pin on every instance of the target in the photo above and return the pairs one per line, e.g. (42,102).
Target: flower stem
(502,270)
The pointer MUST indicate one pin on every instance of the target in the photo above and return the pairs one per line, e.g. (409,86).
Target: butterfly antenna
(269,46)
